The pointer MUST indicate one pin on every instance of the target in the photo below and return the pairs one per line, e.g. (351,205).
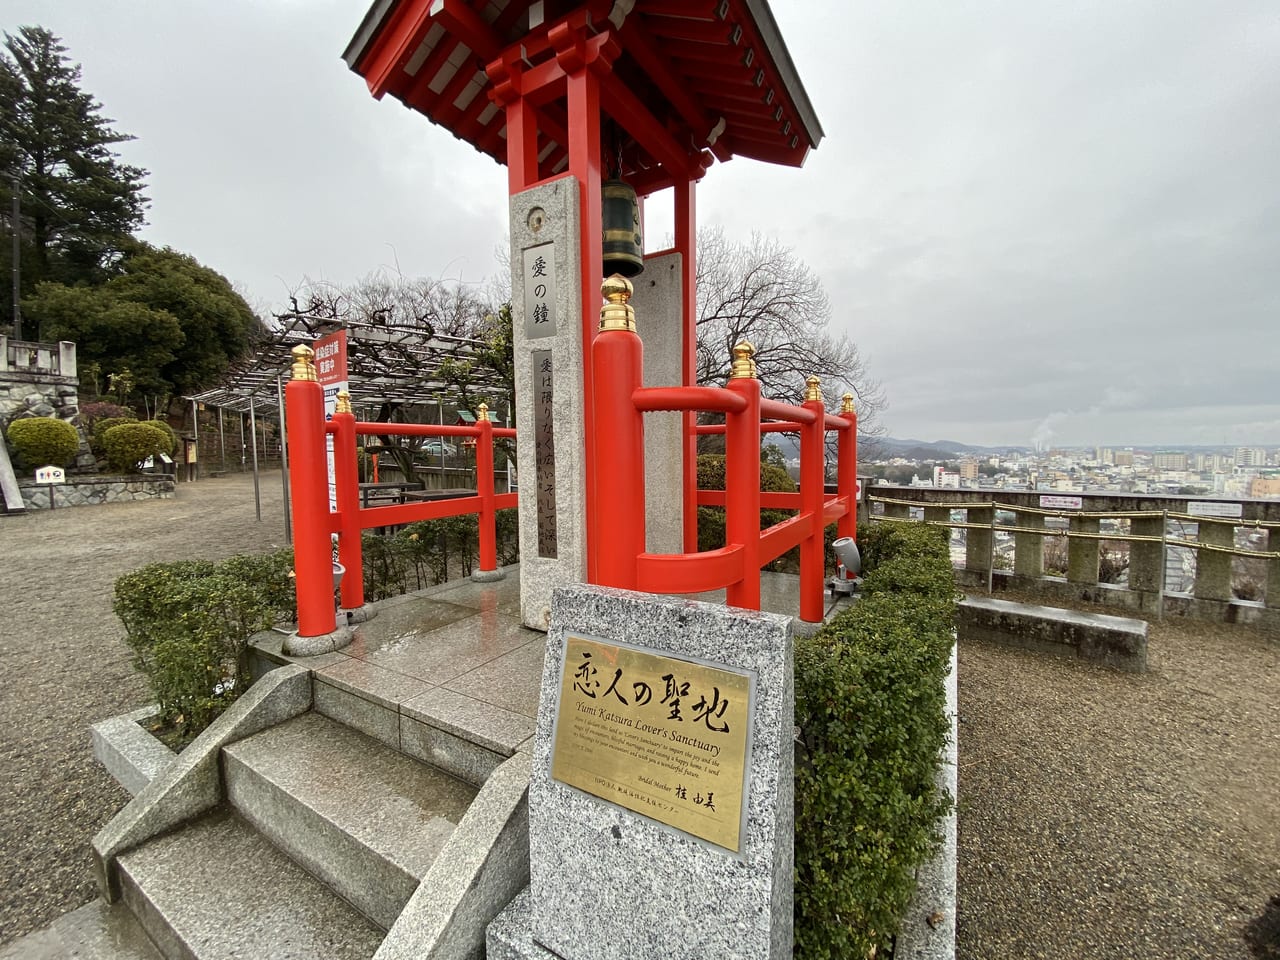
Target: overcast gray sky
(1034,218)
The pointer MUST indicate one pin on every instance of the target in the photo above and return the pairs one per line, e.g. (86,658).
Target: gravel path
(1111,815)
(66,666)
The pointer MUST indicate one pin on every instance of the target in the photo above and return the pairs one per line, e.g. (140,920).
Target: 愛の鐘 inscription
(661,736)
(539,276)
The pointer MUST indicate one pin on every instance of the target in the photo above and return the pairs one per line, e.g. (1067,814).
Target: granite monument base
(607,881)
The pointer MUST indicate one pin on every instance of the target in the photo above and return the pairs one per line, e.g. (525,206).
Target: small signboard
(1212,508)
(663,737)
(1054,502)
(331,373)
(51,474)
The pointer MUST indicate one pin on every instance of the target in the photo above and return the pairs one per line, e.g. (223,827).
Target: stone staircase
(283,833)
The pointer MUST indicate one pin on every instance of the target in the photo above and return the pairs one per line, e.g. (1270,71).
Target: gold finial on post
(744,367)
(846,403)
(482,411)
(617,313)
(303,368)
(343,404)
(812,389)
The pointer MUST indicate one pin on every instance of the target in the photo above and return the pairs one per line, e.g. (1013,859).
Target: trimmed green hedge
(870,705)
(423,554)
(43,441)
(127,445)
(188,622)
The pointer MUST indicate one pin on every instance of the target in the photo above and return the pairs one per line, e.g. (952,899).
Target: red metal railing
(620,401)
(315,524)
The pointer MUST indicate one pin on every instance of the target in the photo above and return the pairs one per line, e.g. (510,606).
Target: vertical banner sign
(664,737)
(540,291)
(331,372)
(544,452)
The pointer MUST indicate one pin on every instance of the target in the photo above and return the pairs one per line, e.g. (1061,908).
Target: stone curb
(928,929)
(130,754)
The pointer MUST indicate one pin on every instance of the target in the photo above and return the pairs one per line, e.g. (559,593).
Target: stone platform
(456,658)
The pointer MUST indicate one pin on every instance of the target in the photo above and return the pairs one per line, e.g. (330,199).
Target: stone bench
(1118,642)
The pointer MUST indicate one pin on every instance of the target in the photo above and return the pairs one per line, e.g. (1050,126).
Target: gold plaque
(664,737)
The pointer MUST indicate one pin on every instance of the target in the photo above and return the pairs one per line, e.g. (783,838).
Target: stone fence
(1002,546)
(86,491)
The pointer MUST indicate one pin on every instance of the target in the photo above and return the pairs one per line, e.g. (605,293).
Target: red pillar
(687,245)
(742,479)
(847,465)
(347,483)
(584,163)
(812,495)
(484,489)
(309,496)
(617,358)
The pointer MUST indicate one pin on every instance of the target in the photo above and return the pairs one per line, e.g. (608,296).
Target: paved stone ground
(66,666)
(1105,814)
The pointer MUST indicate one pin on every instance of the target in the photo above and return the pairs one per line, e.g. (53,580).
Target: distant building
(1169,461)
(968,469)
(1122,458)
(1104,455)
(1251,457)
(1264,487)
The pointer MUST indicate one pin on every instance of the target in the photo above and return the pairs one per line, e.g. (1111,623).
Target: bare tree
(759,290)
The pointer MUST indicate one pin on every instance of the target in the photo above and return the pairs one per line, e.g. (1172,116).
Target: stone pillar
(1273,570)
(899,511)
(1146,560)
(937,515)
(66,358)
(1213,570)
(546,304)
(1082,552)
(977,542)
(657,301)
(1028,548)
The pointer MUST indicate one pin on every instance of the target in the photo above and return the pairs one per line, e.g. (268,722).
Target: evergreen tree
(79,202)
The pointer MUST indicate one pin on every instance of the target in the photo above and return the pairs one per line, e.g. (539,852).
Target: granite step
(97,931)
(363,817)
(216,888)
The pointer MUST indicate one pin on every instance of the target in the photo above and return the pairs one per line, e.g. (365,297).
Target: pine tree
(79,202)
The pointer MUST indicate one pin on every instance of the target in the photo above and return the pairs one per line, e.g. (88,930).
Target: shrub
(97,436)
(43,441)
(128,444)
(870,705)
(422,554)
(168,432)
(187,624)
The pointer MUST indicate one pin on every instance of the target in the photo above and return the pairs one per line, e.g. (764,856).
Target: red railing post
(847,468)
(616,498)
(484,490)
(812,495)
(742,478)
(346,476)
(309,495)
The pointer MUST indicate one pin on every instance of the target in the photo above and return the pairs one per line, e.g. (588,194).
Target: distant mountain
(910,449)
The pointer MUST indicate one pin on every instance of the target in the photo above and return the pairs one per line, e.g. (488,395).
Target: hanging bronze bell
(620,218)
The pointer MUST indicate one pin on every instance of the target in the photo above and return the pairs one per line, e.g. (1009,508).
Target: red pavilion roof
(708,74)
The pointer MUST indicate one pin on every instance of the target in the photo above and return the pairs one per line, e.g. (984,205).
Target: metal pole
(17,261)
(284,459)
(194,474)
(241,416)
(253,436)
